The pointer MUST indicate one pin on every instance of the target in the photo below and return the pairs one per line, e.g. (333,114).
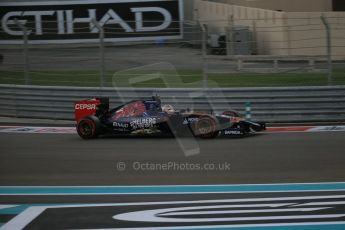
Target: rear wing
(89,107)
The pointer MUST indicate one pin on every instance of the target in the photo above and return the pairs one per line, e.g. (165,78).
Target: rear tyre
(206,128)
(88,128)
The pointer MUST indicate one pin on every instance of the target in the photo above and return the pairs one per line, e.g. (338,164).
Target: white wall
(285,5)
(269,24)
(307,30)
(279,33)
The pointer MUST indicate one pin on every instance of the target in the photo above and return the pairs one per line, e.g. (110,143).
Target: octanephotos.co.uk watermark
(172,166)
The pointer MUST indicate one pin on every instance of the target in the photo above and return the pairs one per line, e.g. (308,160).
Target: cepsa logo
(71,21)
(85,106)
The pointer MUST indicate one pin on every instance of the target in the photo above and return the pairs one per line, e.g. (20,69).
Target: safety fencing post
(230,36)
(101,50)
(254,43)
(204,55)
(329,48)
(248,112)
(26,51)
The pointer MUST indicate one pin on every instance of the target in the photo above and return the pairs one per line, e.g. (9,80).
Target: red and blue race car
(150,117)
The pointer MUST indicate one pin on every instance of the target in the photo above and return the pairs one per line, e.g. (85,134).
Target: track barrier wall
(278,104)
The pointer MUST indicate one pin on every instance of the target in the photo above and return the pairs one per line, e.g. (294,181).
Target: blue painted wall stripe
(32,190)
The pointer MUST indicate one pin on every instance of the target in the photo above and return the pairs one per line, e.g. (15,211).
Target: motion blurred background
(246,43)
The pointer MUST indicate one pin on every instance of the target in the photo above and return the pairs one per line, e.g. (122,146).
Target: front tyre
(88,128)
(206,128)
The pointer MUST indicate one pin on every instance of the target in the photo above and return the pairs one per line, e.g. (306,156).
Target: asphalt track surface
(265,210)
(65,160)
(59,159)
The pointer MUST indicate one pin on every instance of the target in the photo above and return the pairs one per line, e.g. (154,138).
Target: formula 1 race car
(148,117)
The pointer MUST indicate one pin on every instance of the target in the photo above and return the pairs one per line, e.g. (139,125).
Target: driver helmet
(168,109)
